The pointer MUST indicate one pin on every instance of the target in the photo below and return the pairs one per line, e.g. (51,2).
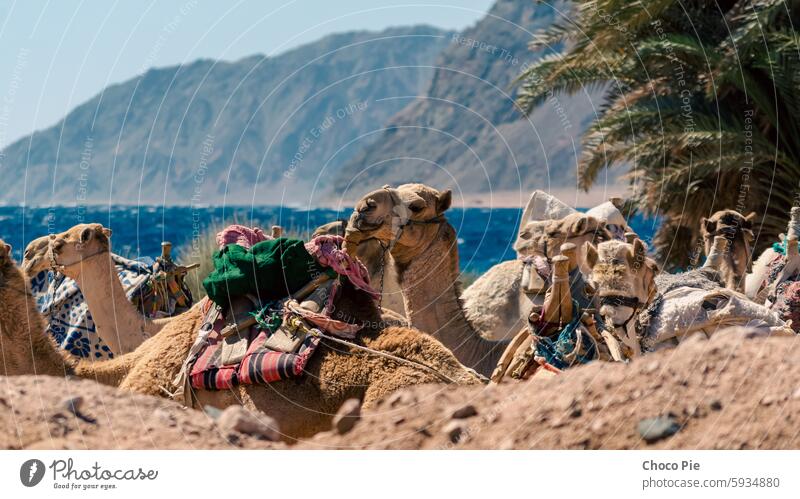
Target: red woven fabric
(259,365)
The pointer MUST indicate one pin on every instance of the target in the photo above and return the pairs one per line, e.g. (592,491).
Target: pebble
(715,405)
(464,412)
(796,394)
(72,404)
(454,431)
(238,419)
(347,416)
(654,429)
(767,400)
(212,412)
(651,367)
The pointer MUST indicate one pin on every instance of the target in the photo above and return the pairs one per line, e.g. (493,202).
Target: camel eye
(416,208)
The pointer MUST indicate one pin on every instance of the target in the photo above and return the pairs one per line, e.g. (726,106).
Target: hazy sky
(57,54)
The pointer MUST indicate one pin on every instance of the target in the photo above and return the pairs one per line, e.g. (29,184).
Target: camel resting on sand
(83,253)
(499,302)
(302,408)
(646,310)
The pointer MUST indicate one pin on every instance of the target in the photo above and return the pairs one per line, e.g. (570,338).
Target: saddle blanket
(68,319)
(259,365)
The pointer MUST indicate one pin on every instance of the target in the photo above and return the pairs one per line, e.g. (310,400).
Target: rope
(295,321)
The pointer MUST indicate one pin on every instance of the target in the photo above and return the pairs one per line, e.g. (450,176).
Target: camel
(83,253)
(499,302)
(647,310)
(410,221)
(302,407)
(737,230)
(379,263)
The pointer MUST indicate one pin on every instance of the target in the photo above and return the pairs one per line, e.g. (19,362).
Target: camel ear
(5,252)
(579,226)
(591,255)
(443,201)
(748,220)
(709,225)
(87,234)
(106,232)
(639,254)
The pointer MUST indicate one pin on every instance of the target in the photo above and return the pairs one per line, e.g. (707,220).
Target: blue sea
(485,235)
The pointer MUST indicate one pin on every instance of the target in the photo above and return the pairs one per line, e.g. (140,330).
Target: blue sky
(57,54)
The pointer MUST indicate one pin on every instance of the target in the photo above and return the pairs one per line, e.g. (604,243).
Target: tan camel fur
(83,253)
(410,220)
(497,303)
(644,307)
(302,408)
(737,230)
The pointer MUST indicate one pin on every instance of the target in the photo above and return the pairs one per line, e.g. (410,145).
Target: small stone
(454,430)
(72,404)
(796,394)
(212,412)
(654,429)
(423,431)
(165,417)
(238,419)
(597,426)
(398,420)
(715,405)
(575,412)
(347,416)
(651,367)
(464,412)
(767,400)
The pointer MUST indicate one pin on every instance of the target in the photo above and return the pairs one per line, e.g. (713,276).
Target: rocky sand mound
(735,391)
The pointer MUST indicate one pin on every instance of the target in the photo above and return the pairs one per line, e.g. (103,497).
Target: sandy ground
(735,391)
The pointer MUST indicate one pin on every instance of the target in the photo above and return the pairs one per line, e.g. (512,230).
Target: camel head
(405,219)
(36,258)
(544,238)
(624,277)
(76,245)
(738,230)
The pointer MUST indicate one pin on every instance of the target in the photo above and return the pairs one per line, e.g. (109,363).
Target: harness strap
(296,322)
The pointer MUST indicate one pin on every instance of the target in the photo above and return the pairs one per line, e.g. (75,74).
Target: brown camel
(737,230)
(382,273)
(302,408)
(410,220)
(646,310)
(83,253)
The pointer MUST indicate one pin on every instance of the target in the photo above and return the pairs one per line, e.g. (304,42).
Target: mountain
(261,129)
(465,131)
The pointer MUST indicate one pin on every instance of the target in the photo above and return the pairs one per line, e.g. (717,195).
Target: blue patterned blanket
(64,307)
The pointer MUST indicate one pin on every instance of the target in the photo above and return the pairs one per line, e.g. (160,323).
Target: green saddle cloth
(269,270)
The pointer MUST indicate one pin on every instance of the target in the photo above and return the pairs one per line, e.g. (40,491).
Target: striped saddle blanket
(259,365)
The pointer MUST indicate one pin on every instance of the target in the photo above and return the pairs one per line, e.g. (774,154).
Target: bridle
(59,267)
(398,233)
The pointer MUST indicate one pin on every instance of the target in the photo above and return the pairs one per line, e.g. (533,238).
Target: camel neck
(36,352)
(432,303)
(117,322)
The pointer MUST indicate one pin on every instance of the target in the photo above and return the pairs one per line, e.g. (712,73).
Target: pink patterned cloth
(241,235)
(328,252)
(324,322)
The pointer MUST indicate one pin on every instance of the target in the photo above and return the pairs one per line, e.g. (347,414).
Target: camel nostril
(57,245)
